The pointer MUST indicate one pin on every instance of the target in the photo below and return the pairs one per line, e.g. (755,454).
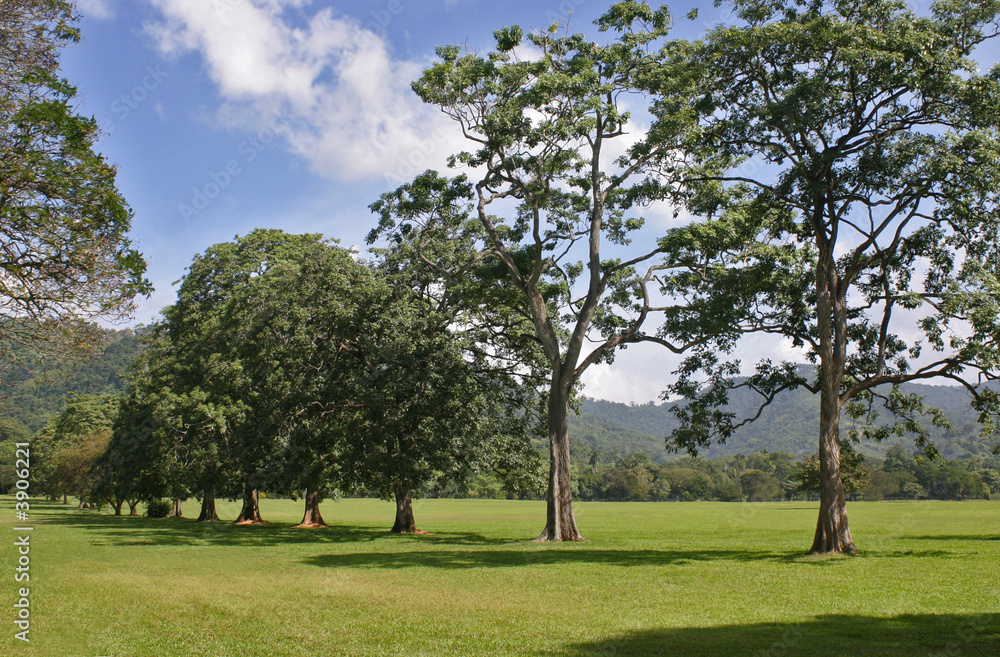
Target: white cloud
(345,102)
(101,9)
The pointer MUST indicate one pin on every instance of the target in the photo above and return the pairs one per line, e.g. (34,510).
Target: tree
(541,130)
(66,448)
(12,432)
(432,412)
(65,254)
(847,160)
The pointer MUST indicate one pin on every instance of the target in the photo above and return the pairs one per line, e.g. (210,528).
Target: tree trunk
(176,511)
(83,502)
(312,516)
(833,534)
(405,522)
(208,512)
(133,508)
(560,521)
(118,507)
(250,513)
(65,498)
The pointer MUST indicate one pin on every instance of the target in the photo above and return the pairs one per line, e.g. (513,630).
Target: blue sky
(227,115)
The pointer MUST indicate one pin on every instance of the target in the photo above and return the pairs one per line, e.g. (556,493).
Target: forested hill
(789,425)
(32,396)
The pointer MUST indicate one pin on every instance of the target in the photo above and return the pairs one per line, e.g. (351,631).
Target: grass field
(652,579)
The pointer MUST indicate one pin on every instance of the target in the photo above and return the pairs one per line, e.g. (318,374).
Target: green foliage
(36,391)
(848,174)
(158,508)
(67,256)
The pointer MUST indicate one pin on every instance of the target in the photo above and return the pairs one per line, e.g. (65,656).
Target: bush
(158,508)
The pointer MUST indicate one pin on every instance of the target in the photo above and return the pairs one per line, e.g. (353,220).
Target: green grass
(669,578)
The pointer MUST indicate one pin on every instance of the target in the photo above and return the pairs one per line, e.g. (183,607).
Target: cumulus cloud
(344,101)
(96,8)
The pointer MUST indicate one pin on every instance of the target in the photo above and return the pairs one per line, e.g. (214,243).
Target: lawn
(652,579)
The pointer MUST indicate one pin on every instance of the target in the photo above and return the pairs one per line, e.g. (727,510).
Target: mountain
(32,395)
(789,424)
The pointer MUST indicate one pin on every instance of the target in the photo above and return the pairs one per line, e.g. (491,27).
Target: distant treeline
(760,477)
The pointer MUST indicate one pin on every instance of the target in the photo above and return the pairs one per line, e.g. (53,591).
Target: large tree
(65,254)
(547,194)
(432,407)
(848,158)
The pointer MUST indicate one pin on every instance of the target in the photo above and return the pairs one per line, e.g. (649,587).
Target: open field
(668,578)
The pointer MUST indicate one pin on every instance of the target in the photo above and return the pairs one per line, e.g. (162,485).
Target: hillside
(32,396)
(789,424)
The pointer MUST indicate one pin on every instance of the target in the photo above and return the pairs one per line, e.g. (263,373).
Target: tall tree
(541,130)
(849,159)
(65,254)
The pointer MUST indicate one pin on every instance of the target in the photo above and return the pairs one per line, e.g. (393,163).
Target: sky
(227,115)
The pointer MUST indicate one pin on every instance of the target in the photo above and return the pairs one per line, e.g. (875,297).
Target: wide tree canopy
(848,158)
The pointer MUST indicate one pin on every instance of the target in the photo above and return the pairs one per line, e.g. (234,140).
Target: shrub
(158,508)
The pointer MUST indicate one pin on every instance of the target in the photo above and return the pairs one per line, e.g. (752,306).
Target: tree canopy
(847,158)
(65,253)
(540,130)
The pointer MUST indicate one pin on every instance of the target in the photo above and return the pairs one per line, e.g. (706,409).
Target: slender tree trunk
(133,507)
(405,522)
(83,502)
(312,516)
(208,512)
(176,510)
(833,535)
(118,507)
(250,513)
(560,521)
(65,498)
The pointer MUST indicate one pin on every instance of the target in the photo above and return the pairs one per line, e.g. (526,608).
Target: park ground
(692,579)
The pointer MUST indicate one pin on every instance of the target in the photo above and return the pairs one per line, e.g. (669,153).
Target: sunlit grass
(667,578)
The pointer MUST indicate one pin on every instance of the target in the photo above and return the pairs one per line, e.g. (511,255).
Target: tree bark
(833,535)
(250,513)
(208,512)
(176,510)
(405,522)
(133,508)
(118,507)
(560,521)
(312,516)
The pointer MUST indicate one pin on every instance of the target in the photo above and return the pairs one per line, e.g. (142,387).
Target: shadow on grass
(576,554)
(132,531)
(937,635)
(955,537)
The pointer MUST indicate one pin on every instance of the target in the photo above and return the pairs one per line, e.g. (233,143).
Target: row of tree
(774,476)
(839,163)
(287,364)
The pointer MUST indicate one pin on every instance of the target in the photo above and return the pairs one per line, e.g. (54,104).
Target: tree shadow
(133,531)
(955,537)
(825,636)
(577,554)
